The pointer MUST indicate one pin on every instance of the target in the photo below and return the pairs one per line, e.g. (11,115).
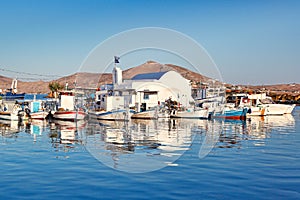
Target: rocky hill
(93,80)
(279,92)
(152,66)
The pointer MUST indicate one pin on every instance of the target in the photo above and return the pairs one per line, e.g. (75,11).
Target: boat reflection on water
(260,127)
(140,145)
(36,128)
(9,128)
(256,129)
(146,145)
(66,135)
(281,122)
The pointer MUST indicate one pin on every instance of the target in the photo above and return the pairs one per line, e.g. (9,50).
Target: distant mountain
(5,82)
(152,66)
(278,87)
(94,80)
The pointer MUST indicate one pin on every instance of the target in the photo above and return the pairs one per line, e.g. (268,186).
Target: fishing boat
(109,106)
(11,93)
(115,114)
(39,115)
(253,108)
(271,108)
(67,109)
(69,115)
(10,111)
(37,111)
(231,113)
(198,113)
(278,109)
(147,114)
(256,111)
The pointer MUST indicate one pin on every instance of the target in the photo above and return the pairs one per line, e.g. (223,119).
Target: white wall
(171,84)
(67,102)
(114,102)
(117,76)
(163,94)
(178,85)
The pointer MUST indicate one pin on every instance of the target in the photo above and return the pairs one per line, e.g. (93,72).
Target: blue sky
(251,42)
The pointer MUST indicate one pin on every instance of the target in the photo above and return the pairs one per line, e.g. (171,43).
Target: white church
(145,91)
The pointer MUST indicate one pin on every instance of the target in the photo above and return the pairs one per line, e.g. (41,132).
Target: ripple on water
(253,159)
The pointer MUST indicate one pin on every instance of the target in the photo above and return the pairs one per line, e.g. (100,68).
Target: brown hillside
(5,82)
(278,87)
(93,80)
(152,66)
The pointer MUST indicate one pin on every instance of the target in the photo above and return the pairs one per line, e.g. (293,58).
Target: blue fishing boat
(231,113)
(11,93)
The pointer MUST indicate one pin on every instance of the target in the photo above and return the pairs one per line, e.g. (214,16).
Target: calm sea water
(177,159)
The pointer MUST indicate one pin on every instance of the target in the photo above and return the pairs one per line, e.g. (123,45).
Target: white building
(151,89)
(145,91)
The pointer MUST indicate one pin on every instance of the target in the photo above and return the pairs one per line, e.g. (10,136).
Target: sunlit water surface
(165,159)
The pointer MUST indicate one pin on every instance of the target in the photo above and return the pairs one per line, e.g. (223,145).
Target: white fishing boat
(257,111)
(272,108)
(37,111)
(69,115)
(261,105)
(211,98)
(39,115)
(67,110)
(148,114)
(117,114)
(253,108)
(10,111)
(109,106)
(278,109)
(198,113)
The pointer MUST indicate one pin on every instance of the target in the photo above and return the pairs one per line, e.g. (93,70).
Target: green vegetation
(55,87)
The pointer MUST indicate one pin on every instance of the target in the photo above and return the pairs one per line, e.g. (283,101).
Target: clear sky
(251,42)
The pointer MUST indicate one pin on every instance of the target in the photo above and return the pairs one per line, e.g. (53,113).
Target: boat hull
(290,109)
(9,116)
(39,115)
(111,115)
(150,114)
(235,114)
(257,111)
(69,115)
(278,109)
(198,114)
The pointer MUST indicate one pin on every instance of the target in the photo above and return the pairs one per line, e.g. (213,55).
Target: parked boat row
(164,94)
(260,104)
(63,108)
